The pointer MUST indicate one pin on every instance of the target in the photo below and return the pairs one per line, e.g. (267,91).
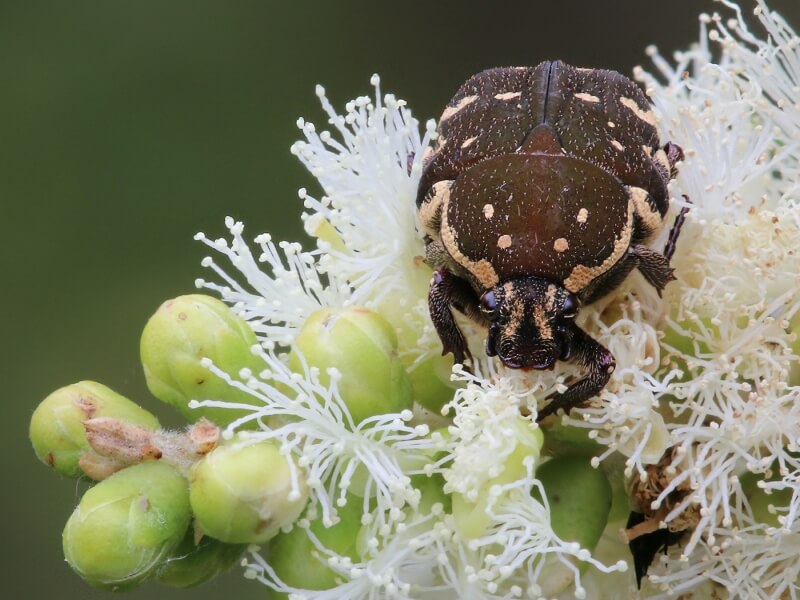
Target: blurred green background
(125,127)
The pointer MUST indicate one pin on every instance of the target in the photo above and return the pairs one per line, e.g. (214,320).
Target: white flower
(372,459)
(276,303)
(703,395)
(369,168)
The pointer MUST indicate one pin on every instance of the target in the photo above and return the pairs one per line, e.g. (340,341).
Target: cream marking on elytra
(504,241)
(488,211)
(482,270)
(508,96)
(612,124)
(587,97)
(581,275)
(651,219)
(647,150)
(430,210)
(617,145)
(468,142)
(451,110)
(583,215)
(645,115)
(561,245)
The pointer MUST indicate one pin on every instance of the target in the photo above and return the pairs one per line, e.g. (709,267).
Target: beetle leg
(674,156)
(435,254)
(599,363)
(669,248)
(653,265)
(446,291)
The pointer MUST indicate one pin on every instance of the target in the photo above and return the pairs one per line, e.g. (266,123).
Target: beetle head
(529,322)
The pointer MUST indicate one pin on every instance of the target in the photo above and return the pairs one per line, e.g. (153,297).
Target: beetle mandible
(539,197)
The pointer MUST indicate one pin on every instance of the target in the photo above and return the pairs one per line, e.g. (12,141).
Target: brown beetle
(543,188)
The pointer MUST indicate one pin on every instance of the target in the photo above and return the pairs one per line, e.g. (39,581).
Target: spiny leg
(654,265)
(446,291)
(672,239)
(599,363)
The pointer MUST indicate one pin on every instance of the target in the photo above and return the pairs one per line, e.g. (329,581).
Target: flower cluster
(420,480)
(705,375)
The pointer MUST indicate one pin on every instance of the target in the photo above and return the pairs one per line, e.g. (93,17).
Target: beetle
(539,197)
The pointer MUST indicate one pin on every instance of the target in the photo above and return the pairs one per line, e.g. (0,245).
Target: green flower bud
(362,346)
(242,494)
(178,336)
(471,517)
(430,382)
(580,501)
(432,490)
(194,562)
(579,497)
(297,561)
(567,440)
(57,432)
(127,525)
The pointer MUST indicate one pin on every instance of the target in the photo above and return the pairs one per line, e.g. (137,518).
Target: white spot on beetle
(488,211)
(645,115)
(617,145)
(647,150)
(468,142)
(451,110)
(504,241)
(583,215)
(507,96)
(561,245)
(587,97)
(612,124)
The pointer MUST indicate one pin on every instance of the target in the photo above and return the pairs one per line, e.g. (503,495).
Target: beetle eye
(488,304)
(570,307)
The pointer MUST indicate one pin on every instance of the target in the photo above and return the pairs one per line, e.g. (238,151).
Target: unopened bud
(579,497)
(430,382)
(362,346)
(126,525)
(181,333)
(471,515)
(244,493)
(196,561)
(57,426)
(298,563)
